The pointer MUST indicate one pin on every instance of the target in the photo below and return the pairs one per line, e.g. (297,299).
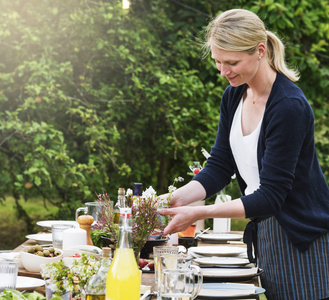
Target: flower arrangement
(144,216)
(73,279)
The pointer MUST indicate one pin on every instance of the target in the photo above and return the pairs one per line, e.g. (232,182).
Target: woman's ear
(261,50)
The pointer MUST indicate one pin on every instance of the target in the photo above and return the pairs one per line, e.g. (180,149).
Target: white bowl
(33,262)
(68,256)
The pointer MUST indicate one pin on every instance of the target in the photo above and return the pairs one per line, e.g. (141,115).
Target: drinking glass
(8,275)
(180,284)
(169,251)
(57,231)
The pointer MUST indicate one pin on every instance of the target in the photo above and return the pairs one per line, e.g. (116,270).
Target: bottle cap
(121,191)
(106,251)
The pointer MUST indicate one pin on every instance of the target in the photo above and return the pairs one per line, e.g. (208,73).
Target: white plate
(221,261)
(24,282)
(48,223)
(228,290)
(229,272)
(12,256)
(220,237)
(41,237)
(218,250)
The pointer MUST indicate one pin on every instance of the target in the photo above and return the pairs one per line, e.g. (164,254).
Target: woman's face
(237,67)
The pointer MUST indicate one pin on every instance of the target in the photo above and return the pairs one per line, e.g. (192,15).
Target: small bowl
(33,262)
(70,255)
(154,240)
(188,241)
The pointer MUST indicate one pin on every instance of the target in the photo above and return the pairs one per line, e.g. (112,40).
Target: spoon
(202,232)
(145,294)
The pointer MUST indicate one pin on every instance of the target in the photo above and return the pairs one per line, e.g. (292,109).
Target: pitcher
(91,208)
(180,284)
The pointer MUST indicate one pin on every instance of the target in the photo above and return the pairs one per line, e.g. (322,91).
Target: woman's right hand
(187,194)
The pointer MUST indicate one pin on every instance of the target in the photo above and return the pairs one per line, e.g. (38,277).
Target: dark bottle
(137,189)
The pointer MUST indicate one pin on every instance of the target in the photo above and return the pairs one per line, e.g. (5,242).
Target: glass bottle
(120,203)
(96,287)
(124,278)
(137,191)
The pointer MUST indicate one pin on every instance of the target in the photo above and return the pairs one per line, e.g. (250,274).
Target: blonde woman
(266,137)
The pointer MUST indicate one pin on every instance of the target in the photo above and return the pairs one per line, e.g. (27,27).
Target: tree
(94,97)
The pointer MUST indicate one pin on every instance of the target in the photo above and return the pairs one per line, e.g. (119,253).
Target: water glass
(57,231)
(169,251)
(180,284)
(8,275)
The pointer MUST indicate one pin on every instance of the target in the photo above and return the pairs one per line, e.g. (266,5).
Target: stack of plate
(222,266)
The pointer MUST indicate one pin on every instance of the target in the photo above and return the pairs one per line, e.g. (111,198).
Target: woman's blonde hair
(242,30)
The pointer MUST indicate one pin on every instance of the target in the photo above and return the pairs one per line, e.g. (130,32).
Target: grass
(12,230)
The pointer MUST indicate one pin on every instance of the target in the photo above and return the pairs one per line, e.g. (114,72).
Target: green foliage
(95,97)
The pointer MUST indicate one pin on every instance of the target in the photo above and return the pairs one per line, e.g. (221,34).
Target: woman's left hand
(182,218)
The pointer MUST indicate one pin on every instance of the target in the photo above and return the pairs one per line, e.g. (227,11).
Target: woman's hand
(182,218)
(189,193)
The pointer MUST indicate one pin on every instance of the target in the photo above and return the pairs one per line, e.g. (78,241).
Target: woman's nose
(224,70)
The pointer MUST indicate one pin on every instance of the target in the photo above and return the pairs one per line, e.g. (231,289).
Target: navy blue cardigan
(292,185)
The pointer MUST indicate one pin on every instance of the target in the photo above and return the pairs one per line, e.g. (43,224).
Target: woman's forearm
(184,216)
(232,209)
(189,193)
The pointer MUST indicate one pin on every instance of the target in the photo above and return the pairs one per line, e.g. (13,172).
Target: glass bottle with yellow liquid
(123,278)
(120,203)
(96,286)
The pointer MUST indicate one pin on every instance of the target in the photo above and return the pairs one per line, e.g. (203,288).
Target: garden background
(94,97)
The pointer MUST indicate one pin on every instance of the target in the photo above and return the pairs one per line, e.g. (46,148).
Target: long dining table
(147,278)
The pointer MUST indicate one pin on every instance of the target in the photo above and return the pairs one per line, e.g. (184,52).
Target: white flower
(129,192)
(171,188)
(149,193)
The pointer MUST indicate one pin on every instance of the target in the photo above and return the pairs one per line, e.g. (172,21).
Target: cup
(57,231)
(8,275)
(170,251)
(189,231)
(180,284)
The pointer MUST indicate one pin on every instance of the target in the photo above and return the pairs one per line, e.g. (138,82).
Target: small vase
(221,225)
(50,292)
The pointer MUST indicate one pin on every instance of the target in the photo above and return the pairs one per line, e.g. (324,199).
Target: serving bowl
(33,262)
(154,240)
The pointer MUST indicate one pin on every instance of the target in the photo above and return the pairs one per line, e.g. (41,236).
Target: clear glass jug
(90,208)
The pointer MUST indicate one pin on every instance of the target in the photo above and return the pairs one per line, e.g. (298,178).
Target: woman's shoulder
(284,88)
(287,103)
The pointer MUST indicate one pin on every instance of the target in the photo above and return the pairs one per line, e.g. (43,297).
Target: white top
(244,150)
